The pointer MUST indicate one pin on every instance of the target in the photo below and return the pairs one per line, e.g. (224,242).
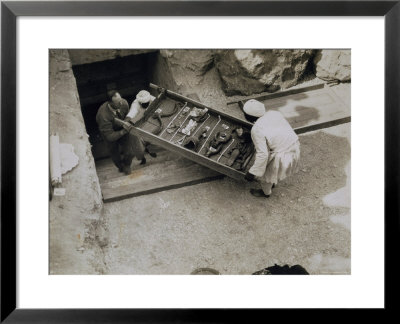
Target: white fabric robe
(271,134)
(136,112)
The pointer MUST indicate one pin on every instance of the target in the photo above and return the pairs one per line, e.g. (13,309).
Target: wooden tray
(216,121)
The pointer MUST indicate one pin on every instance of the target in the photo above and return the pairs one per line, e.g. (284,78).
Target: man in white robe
(277,147)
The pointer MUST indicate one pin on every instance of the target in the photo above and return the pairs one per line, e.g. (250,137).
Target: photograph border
(9,13)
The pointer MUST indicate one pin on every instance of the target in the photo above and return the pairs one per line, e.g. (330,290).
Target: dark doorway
(128,75)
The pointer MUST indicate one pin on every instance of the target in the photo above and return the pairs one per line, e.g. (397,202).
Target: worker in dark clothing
(118,137)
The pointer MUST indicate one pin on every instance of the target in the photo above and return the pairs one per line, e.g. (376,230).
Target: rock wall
(191,73)
(332,65)
(214,75)
(247,72)
(72,214)
(85,56)
(183,70)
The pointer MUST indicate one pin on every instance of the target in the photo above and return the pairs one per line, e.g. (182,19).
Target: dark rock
(235,79)
(246,72)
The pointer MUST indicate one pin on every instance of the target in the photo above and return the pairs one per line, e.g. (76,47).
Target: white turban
(254,108)
(143,96)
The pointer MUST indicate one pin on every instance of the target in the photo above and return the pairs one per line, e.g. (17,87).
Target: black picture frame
(9,13)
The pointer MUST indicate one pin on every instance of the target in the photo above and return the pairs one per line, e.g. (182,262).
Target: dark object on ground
(143,161)
(249,176)
(283,270)
(205,271)
(258,193)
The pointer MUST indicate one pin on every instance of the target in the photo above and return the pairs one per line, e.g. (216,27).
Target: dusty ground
(220,225)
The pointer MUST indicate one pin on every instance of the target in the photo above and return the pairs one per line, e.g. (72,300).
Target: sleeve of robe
(262,152)
(135,112)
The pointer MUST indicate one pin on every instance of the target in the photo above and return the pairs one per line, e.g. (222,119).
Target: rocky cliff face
(196,61)
(246,72)
(333,65)
(191,73)
(213,75)
(240,72)
(186,67)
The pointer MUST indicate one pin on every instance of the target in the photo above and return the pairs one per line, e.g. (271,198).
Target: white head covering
(143,96)
(254,108)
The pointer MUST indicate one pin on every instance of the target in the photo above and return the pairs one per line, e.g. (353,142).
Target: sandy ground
(220,225)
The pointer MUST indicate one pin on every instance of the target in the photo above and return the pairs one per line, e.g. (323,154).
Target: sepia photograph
(199,161)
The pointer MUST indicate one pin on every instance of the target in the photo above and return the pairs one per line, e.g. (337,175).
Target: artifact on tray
(184,111)
(198,115)
(173,127)
(193,142)
(224,126)
(159,114)
(191,125)
(239,154)
(215,145)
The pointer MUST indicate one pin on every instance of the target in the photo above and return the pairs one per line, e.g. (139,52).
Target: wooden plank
(167,171)
(313,99)
(109,171)
(198,104)
(312,110)
(154,174)
(195,175)
(188,154)
(282,93)
(155,170)
(321,125)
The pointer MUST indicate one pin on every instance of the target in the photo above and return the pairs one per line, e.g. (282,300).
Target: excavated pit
(128,75)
